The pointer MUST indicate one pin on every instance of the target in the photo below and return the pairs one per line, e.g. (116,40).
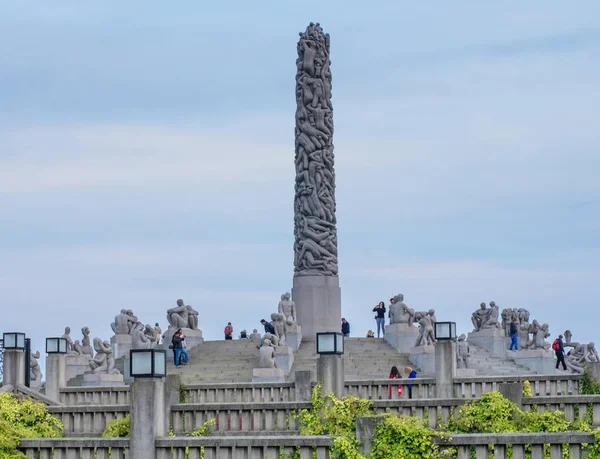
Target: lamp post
(14,370)
(149,411)
(445,358)
(330,365)
(56,367)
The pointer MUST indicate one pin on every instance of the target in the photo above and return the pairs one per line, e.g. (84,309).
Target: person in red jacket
(229,331)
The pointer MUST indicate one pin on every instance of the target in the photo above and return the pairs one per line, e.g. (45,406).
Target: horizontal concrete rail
(87,420)
(68,448)
(480,444)
(267,447)
(575,407)
(117,395)
(381,389)
(240,392)
(540,384)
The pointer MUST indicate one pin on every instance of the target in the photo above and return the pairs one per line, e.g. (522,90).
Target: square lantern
(14,340)
(56,346)
(147,363)
(330,343)
(445,331)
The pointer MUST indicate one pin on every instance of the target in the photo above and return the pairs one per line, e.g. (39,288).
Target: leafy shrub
(405,437)
(205,429)
(493,413)
(118,427)
(21,419)
(527,389)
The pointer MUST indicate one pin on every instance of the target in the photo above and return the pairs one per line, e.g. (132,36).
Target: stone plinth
(401,336)
(539,360)
(77,365)
(493,340)
(14,367)
(102,379)
(121,345)
(284,357)
(192,337)
(267,375)
(56,375)
(318,303)
(148,417)
(445,368)
(466,372)
(423,357)
(294,339)
(330,373)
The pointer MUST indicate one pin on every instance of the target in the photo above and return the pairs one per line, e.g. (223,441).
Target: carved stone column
(316,290)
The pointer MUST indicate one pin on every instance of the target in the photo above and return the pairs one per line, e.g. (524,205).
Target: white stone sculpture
(399,312)
(35,372)
(462,352)
(103,362)
(426,336)
(288,308)
(278,322)
(144,338)
(267,355)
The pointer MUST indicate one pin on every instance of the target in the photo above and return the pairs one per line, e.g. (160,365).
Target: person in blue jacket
(411,374)
(345,327)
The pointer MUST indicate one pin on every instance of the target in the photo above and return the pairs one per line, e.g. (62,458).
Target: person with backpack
(229,331)
(514,331)
(559,350)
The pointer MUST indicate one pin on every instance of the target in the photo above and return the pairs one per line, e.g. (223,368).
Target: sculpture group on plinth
(267,370)
(485,318)
(183,317)
(144,338)
(35,372)
(401,332)
(78,353)
(580,354)
(488,331)
(102,371)
(292,331)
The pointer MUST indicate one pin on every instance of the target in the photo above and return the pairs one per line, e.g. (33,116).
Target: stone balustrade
(69,448)
(560,384)
(240,392)
(116,395)
(481,444)
(87,420)
(575,407)
(379,389)
(267,447)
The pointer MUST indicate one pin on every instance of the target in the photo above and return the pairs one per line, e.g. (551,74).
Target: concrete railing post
(148,417)
(330,373)
(303,385)
(445,368)
(14,367)
(56,375)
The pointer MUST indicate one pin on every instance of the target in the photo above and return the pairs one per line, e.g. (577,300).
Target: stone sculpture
(255,335)
(580,354)
(35,372)
(399,312)
(539,334)
(273,339)
(138,326)
(144,338)
(288,308)
(492,318)
(426,336)
(506,320)
(462,352)
(267,355)
(192,318)
(124,322)
(179,316)
(104,361)
(278,322)
(84,348)
(480,317)
(315,245)
(67,336)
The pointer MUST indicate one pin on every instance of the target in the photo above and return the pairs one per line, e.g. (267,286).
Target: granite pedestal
(284,357)
(423,357)
(492,339)
(539,360)
(294,339)
(318,303)
(267,375)
(445,368)
(192,337)
(121,345)
(102,379)
(77,365)
(401,336)
(56,375)
(14,367)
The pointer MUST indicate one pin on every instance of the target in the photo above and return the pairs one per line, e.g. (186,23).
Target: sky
(147,154)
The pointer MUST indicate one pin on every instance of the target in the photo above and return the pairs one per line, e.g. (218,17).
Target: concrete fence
(239,392)
(88,420)
(69,448)
(117,395)
(540,384)
(576,407)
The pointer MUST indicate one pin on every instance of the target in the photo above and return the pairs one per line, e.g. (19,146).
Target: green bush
(118,427)
(405,437)
(493,413)
(21,419)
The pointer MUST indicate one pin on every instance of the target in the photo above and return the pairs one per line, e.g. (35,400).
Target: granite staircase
(487,365)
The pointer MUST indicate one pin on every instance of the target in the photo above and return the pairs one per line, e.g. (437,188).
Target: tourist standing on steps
(370,334)
(559,350)
(180,352)
(380,318)
(157,332)
(412,374)
(395,374)
(229,331)
(514,331)
(345,328)
(269,328)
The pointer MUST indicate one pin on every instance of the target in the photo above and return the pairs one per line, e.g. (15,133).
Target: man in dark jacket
(268,327)
(178,349)
(345,327)
(514,330)
(560,353)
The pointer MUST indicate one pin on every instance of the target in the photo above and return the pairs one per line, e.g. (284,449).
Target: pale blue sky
(146,154)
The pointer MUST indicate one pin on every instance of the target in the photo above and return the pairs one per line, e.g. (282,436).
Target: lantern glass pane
(141,363)
(326,343)
(340,343)
(51,345)
(10,340)
(160,363)
(21,340)
(62,345)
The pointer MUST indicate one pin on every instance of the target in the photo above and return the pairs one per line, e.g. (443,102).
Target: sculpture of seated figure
(178,317)
(121,324)
(67,336)
(267,355)
(35,372)
(138,326)
(192,318)
(103,362)
(399,313)
(426,337)
(144,338)
(288,308)
(480,317)
(462,352)
(492,320)
(255,335)
(86,348)
(273,339)
(278,322)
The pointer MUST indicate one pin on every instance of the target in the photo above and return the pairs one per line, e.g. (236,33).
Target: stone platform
(121,345)
(102,380)
(77,365)
(540,360)
(401,336)
(423,357)
(267,375)
(491,339)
